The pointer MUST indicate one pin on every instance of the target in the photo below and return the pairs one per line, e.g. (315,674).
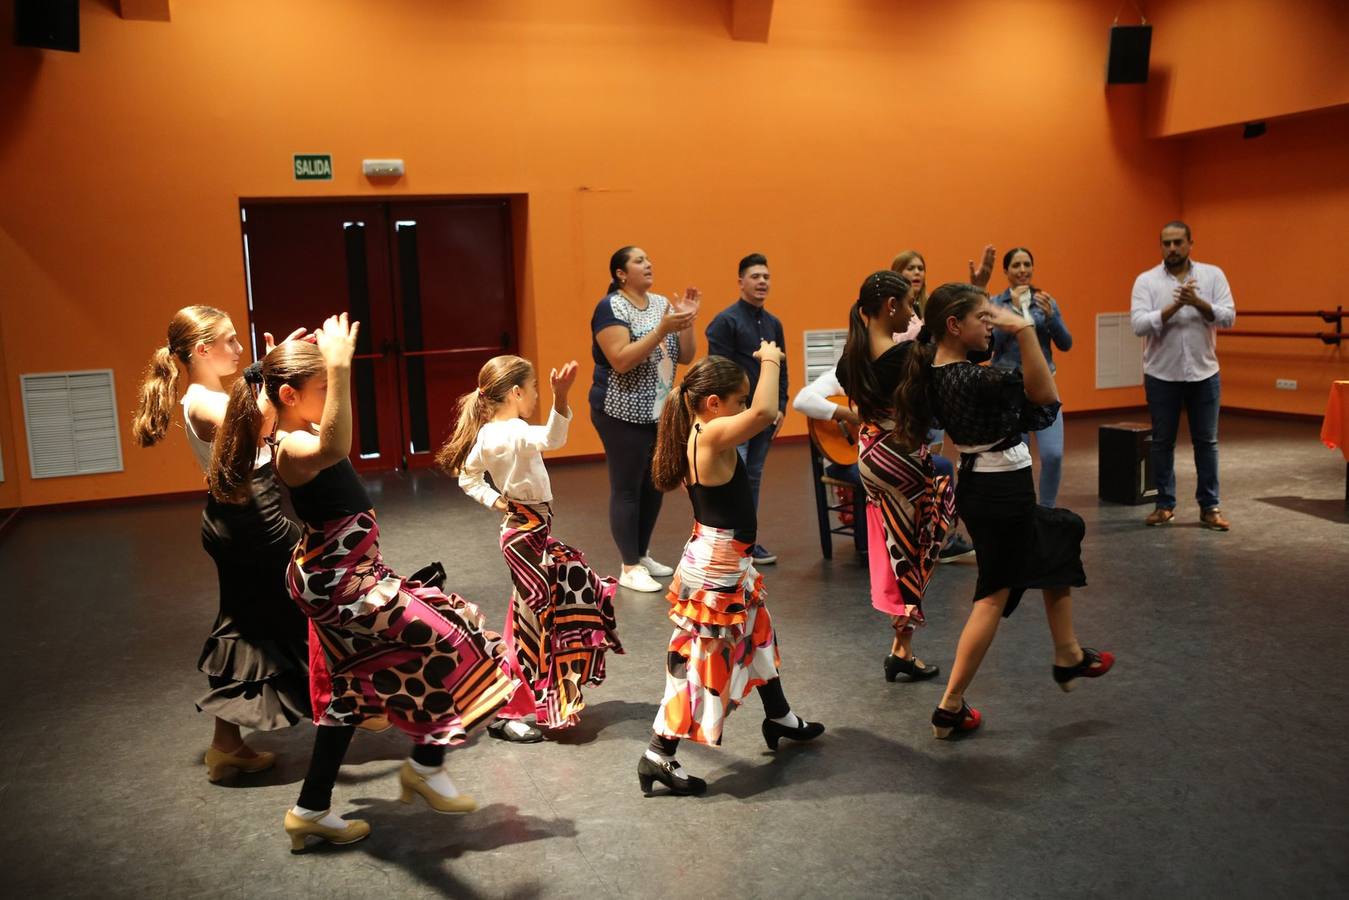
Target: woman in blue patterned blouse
(637,339)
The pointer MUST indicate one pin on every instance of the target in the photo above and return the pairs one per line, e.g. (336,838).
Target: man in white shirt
(1177,308)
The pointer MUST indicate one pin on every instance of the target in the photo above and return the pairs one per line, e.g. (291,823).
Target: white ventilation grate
(71,419)
(823,349)
(1119,352)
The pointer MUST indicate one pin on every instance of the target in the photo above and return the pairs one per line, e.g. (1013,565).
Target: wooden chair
(824,506)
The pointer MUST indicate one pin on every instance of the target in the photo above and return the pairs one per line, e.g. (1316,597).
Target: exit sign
(313,167)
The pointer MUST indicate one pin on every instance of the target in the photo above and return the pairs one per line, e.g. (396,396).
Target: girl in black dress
(255,657)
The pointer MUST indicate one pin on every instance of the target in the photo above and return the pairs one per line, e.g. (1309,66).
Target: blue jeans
(1050,443)
(754,452)
(1200,399)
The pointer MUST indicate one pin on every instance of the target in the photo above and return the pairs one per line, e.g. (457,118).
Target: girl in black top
(1020,544)
(379,644)
(910,500)
(723,644)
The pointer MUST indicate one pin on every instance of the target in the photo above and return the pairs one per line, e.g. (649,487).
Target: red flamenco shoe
(1094,664)
(946,723)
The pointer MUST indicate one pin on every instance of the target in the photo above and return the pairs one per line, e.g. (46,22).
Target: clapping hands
(683,310)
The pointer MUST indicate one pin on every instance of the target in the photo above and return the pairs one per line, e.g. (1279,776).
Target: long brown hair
(901,262)
(235,448)
(190,326)
(861,385)
(712,376)
(913,403)
(495,380)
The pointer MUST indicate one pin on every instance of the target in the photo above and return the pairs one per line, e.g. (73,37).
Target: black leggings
(330,746)
(634,502)
(775,706)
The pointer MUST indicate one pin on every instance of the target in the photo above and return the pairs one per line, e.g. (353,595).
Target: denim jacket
(1006,352)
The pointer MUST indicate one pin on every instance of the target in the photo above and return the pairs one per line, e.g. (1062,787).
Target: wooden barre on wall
(1327,337)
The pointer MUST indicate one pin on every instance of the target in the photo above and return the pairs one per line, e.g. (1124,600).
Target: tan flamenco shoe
(299,829)
(412,783)
(220,764)
(375,725)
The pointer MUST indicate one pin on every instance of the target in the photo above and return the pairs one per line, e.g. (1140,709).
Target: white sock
(436,778)
(325,817)
(662,758)
(791,720)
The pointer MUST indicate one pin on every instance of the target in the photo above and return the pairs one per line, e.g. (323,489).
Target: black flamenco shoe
(498,730)
(664,772)
(898,665)
(806,731)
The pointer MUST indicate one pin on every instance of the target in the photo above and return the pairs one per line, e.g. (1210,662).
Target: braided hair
(860,382)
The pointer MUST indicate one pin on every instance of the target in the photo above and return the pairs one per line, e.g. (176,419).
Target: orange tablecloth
(1335,426)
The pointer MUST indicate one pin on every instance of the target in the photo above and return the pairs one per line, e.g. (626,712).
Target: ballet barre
(1336,317)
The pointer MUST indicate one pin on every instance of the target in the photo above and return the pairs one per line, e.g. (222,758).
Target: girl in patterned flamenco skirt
(910,500)
(255,658)
(1020,544)
(723,644)
(561,619)
(379,644)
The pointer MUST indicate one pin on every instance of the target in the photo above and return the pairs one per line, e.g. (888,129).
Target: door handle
(505,340)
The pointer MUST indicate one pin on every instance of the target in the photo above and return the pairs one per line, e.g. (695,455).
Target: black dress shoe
(774,732)
(498,730)
(897,665)
(649,771)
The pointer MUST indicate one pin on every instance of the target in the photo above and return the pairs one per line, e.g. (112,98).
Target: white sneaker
(659,570)
(639,579)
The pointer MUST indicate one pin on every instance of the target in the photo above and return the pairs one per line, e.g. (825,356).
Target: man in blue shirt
(735,333)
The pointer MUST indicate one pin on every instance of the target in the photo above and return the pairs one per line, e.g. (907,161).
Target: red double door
(432,284)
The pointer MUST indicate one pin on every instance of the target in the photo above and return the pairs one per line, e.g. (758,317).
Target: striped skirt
(561,621)
(383,645)
(909,510)
(723,645)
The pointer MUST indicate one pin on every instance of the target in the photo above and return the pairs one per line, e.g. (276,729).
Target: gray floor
(1211,762)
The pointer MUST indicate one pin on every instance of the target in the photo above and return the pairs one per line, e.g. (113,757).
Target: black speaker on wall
(1130,46)
(51,24)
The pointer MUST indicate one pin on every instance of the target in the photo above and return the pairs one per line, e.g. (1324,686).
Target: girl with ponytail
(723,643)
(561,619)
(1020,544)
(255,657)
(381,645)
(910,498)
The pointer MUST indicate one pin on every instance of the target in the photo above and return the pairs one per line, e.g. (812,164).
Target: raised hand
(979,277)
(337,341)
(769,351)
(269,342)
(1003,318)
(1044,302)
(562,379)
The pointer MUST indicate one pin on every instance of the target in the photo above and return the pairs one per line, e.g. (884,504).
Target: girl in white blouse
(561,618)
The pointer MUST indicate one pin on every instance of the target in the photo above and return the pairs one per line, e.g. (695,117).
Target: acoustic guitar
(836,441)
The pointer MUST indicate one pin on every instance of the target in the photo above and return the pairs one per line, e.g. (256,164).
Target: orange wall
(858,129)
(1219,62)
(9,488)
(1274,213)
